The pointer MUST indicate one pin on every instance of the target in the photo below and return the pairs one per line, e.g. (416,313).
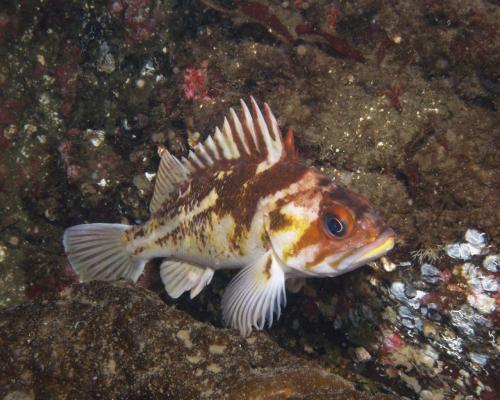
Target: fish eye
(335,225)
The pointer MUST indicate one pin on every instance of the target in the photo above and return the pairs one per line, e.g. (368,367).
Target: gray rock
(491,262)
(475,238)
(430,274)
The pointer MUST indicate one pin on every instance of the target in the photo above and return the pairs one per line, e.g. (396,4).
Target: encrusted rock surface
(89,89)
(102,340)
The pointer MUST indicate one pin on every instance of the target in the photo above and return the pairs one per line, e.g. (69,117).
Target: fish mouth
(369,252)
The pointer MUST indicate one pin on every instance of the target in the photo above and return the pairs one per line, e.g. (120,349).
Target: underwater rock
(430,273)
(102,340)
(414,128)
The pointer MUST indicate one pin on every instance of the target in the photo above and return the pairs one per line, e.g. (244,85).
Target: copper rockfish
(242,199)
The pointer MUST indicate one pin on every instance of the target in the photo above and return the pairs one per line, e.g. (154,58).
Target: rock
(414,128)
(103,340)
(475,238)
(430,273)
(491,262)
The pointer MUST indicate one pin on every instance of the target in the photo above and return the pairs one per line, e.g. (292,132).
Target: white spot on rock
(215,368)
(491,262)
(362,354)
(430,274)
(481,302)
(193,359)
(185,336)
(3,253)
(217,348)
(475,238)
(460,251)
(149,176)
(480,359)
(388,265)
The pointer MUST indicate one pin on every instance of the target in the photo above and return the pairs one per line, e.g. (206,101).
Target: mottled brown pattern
(278,221)
(138,250)
(238,193)
(162,241)
(280,176)
(138,231)
(239,188)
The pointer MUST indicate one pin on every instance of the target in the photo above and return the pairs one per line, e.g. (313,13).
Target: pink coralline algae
(392,341)
(195,84)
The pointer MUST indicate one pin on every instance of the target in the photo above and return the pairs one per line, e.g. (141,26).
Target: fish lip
(380,246)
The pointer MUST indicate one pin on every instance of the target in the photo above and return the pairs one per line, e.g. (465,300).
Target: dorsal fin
(171,174)
(254,137)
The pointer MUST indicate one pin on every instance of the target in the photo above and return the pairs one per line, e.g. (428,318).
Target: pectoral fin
(255,294)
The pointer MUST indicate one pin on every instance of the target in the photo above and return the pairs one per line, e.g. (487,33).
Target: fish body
(240,200)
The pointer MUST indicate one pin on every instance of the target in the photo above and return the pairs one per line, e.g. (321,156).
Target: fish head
(326,229)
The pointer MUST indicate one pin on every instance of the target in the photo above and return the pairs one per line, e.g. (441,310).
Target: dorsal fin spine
(194,158)
(212,147)
(200,148)
(239,130)
(230,139)
(275,132)
(264,131)
(221,141)
(255,137)
(273,124)
(248,123)
(188,165)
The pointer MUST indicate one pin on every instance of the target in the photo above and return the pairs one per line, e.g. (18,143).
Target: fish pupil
(334,225)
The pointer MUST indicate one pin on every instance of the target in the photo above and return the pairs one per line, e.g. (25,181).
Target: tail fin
(99,252)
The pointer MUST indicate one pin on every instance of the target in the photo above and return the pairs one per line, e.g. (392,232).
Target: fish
(241,199)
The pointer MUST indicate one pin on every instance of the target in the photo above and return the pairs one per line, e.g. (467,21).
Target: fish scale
(242,199)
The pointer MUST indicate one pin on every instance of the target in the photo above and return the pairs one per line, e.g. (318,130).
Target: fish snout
(374,226)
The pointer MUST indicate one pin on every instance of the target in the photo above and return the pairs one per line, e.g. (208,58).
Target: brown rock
(103,340)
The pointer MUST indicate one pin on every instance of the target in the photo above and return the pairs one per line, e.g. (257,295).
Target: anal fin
(255,295)
(179,277)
